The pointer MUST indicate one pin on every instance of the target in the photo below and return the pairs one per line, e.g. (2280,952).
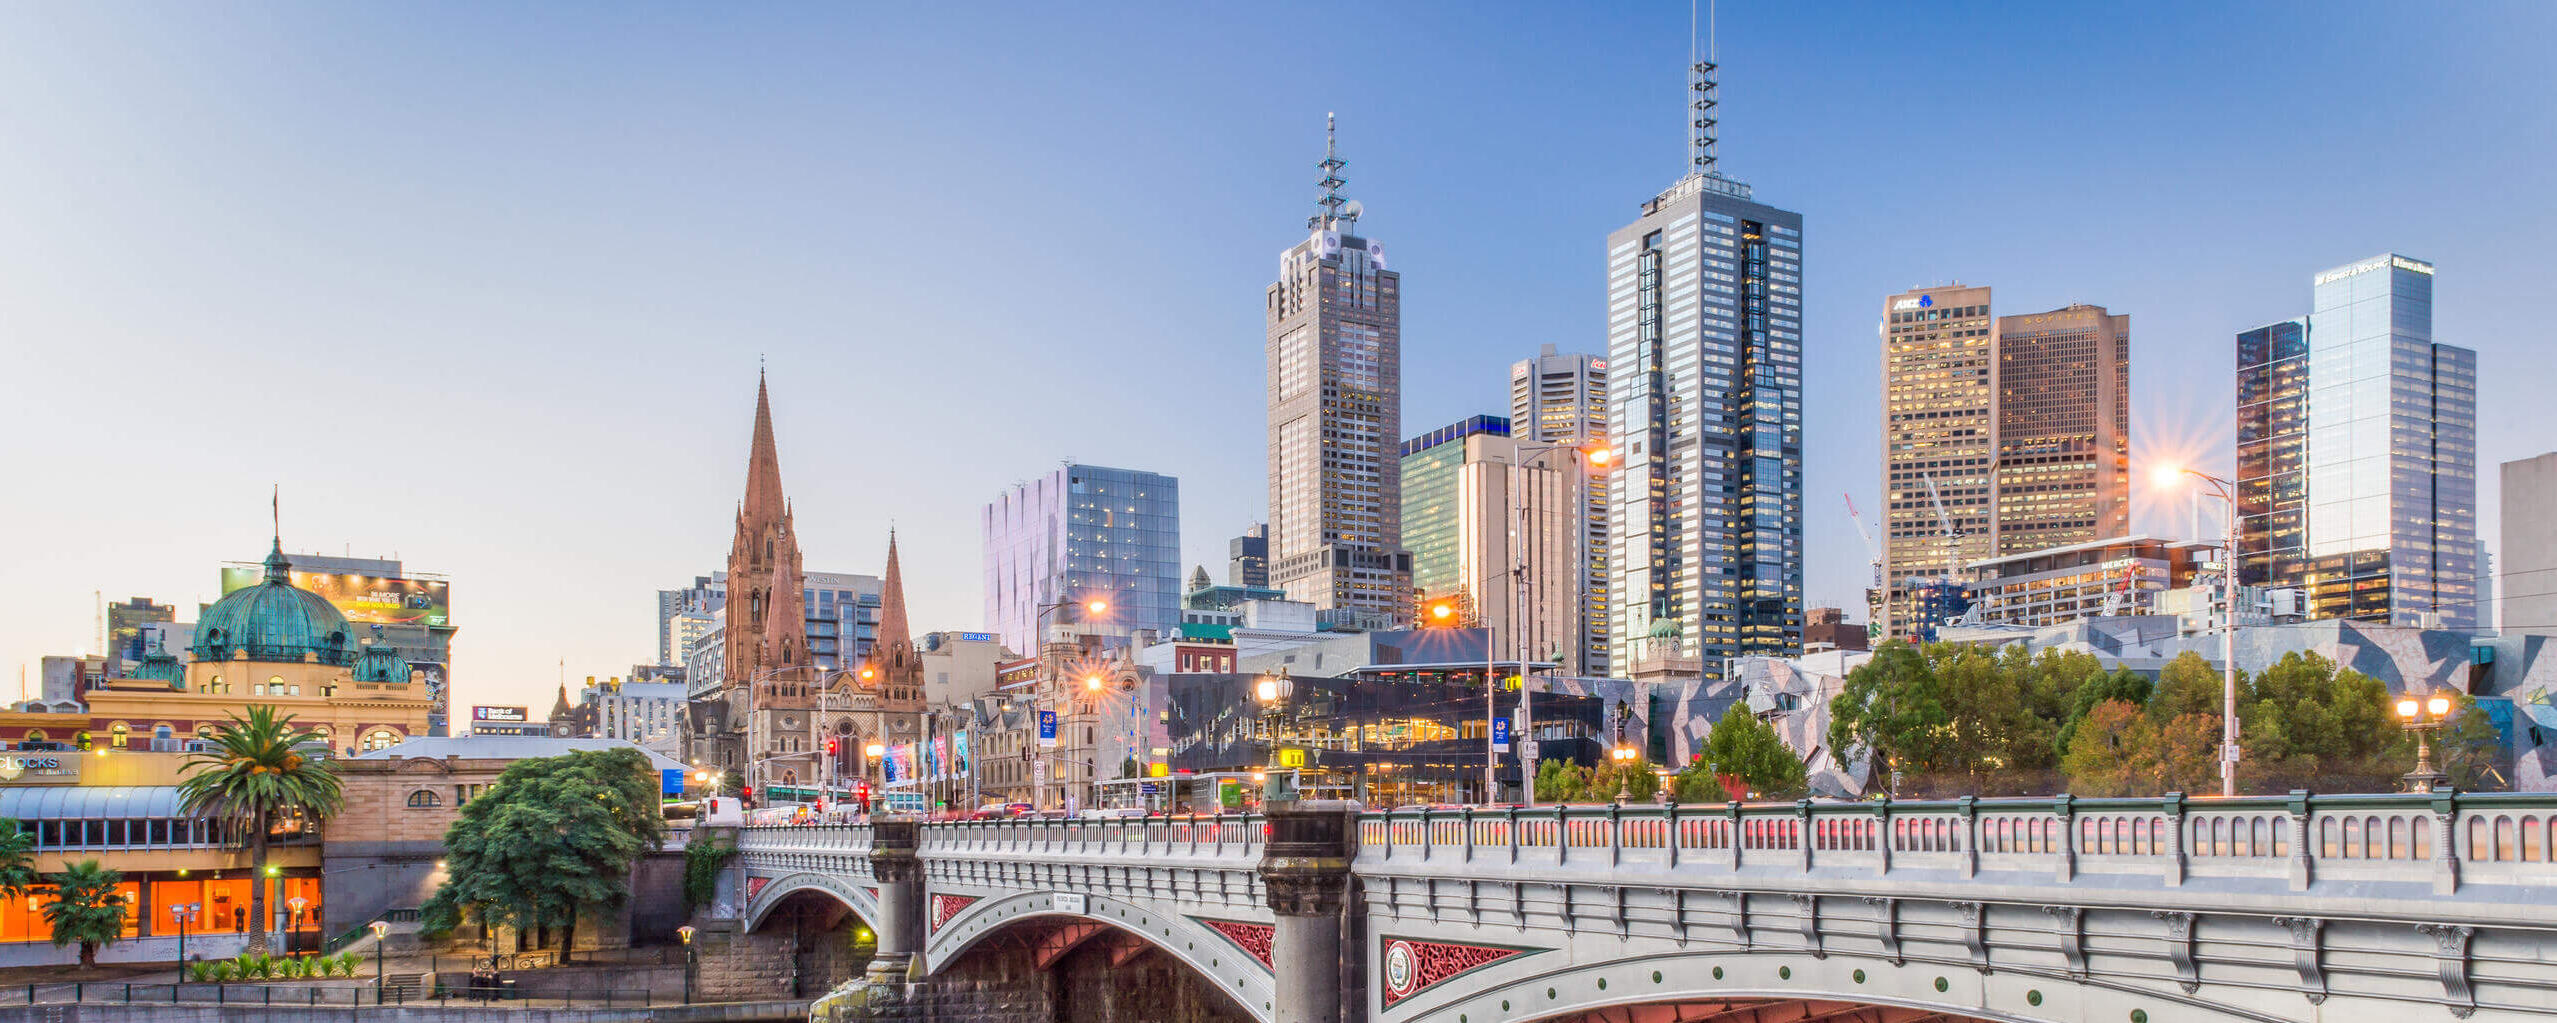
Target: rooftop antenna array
(1701,98)
(1332,181)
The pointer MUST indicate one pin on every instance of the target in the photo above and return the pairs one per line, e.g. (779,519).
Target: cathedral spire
(763,461)
(766,629)
(894,642)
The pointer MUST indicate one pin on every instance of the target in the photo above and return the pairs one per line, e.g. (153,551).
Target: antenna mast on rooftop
(1701,98)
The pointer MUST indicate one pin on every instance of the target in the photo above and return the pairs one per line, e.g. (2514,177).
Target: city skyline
(564,434)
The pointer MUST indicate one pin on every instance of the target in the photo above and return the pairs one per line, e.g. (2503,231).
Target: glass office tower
(2357,453)
(1704,405)
(1080,533)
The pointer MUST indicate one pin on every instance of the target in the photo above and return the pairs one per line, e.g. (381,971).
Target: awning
(85,802)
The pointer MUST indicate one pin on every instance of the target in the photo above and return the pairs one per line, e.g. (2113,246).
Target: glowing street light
(2423,718)
(2170,476)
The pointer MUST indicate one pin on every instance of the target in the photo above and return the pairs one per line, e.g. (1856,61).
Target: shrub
(224,970)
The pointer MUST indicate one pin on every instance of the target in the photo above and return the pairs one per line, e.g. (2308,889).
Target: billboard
(507,714)
(364,599)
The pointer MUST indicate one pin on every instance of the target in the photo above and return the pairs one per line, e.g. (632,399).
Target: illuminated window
(119,734)
(380,738)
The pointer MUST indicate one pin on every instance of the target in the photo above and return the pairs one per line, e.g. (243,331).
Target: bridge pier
(1305,876)
(900,925)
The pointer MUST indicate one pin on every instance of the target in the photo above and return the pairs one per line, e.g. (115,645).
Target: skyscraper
(2357,452)
(1479,506)
(1335,419)
(1248,557)
(1939,441)
(1562,399)
(1704,397)
(2011,432)
(1079,533)
(2064,428)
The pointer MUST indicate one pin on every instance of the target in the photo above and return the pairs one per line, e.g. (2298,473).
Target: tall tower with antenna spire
(1334,346)
(1704,392)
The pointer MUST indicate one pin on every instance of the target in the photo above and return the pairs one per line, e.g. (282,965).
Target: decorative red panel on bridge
(755,884)
(946,906)
(1254,938)
(1412,967)
(874,895)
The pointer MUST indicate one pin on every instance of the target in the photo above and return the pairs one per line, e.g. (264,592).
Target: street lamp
(686,932)
(1092,607)
(1597,456)
(379,929)
(293,919)
(2169,476)
(1272,691)
(2423,718)
(184,913)
(1624,754)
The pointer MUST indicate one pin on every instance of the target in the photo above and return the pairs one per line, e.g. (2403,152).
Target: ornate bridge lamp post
(379,943)
(686,932)
(1625,754)
(1273,693)
(2424,718)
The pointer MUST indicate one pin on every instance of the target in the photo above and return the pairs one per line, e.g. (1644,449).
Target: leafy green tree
(254,777)
(2122,685)
(86,909)
(2307,724)
(1742,746)
(17,860)
(554,838)
(1561,781)
(1632,779)
(2190,685)
(1993,699)
(2120,749)
(1893,710)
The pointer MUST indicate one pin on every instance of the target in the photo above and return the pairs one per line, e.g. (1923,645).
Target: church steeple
(766,626)
(900,671)
(763,461)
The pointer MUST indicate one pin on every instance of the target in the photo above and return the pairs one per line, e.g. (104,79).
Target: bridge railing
(2455,837)
(1220,835)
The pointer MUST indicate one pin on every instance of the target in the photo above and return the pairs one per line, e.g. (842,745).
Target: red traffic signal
(830,747)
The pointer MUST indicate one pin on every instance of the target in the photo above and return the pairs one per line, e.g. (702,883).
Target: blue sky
(485,285)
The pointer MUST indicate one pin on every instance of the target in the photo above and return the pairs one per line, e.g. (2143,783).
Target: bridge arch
(1747,987)
(862,901)
(959,923)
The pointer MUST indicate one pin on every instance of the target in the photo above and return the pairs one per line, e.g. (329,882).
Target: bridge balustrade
(2499,836)
(1220,835)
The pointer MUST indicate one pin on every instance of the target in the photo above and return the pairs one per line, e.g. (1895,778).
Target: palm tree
(17,860)
(86,908)
(252,776)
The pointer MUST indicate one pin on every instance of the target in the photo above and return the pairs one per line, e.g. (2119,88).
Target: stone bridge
(2381,907)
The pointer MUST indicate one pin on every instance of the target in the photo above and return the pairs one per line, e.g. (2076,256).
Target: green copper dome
(160,666)
(274,621)
(1664,628)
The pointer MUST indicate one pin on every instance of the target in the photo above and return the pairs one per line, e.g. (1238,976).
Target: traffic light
(861,794)
(831,748)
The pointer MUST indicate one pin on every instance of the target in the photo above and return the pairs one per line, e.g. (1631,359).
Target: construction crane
(1944,526)
(1941,592)
(1878,616)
